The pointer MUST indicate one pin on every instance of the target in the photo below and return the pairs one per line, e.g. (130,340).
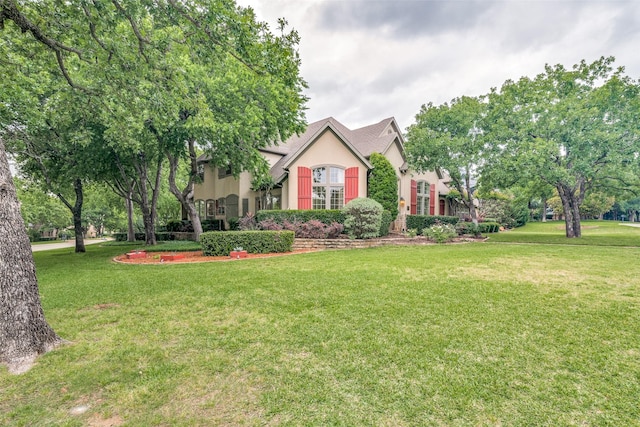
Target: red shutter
(432,199)
(414,197)
(350,184)
(304,188)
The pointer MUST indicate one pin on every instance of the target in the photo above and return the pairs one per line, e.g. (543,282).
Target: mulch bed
(196,256)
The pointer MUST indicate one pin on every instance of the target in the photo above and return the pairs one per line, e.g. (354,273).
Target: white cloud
(366,60)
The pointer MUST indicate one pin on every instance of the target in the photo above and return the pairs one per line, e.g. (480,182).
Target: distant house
(323,168)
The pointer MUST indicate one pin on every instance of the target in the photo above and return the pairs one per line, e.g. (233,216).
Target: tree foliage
(146,79)
(571,129)
(448,138)
(383,183)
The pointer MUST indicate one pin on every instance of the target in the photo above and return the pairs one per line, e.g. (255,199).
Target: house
(323,168)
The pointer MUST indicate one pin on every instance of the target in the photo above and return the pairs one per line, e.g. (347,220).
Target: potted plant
(238,252)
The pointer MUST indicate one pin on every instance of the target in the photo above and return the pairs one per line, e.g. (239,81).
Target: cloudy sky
(365,60)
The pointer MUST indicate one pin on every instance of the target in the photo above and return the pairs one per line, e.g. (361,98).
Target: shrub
(385,223)
(174,225)
(334,230)
(420,222)
(247,222)
(363,218)
(233,223)
(269,224)
(489,227)
(217,243)
(441,232)
(383,184)
(291,226)
(326,216)
(468,228)
(313,229)
(211,225)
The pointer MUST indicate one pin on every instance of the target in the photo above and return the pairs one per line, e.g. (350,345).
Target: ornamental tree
(383,183)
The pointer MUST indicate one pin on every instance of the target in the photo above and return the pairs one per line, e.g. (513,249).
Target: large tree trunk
(24,332)
(571,210)
(185,197)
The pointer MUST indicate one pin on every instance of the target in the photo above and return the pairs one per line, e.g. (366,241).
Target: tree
(24,332)
(40,210)
(571,129)
(596,204)
(129,64)
(383,183)
(447,138)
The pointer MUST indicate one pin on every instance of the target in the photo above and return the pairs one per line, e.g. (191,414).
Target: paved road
(59,245)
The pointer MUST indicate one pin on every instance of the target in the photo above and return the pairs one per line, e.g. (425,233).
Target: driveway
(59,245)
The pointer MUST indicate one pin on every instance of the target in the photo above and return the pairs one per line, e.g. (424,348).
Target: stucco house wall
(326,143)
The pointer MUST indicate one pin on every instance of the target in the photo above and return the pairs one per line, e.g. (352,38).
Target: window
(328,188)
(220,206)
(422,206)
(200,208)
(211,208)
(224,172)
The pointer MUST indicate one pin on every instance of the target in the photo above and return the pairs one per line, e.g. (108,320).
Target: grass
(473,334)
(594,233)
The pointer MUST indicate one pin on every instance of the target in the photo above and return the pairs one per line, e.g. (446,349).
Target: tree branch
(141,40)
(9,11)
(228,49)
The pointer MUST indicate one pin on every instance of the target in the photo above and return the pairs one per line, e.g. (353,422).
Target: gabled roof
(377,138)
(362,142)
(299,143)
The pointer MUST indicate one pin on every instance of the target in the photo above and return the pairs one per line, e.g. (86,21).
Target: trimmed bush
(467,228)
(218,243)
(489,227)
(383,184)
(420,222)
(363,218)
(385,223)
(160,237)
(326,216)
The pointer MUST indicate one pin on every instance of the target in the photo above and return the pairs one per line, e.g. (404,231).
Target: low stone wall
(356,244)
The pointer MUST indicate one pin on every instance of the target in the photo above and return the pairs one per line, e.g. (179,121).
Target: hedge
(326,216)
(489,227)
(483,227)
(160,237)
(419,222)
(219,243)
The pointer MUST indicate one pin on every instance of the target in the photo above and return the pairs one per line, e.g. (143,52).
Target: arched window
(211,208)
(422,207)
(200,208)
(328,187)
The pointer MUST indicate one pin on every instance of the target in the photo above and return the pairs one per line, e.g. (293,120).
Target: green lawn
(464,335)
(594,233)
